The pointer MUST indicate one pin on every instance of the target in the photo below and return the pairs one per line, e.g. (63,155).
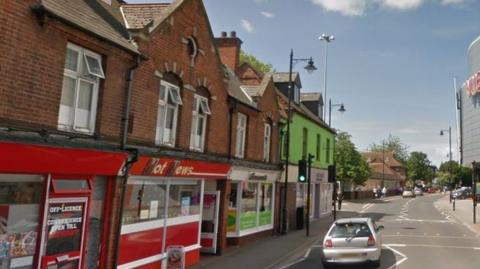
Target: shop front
(251,203)
(162,211)
(53,202)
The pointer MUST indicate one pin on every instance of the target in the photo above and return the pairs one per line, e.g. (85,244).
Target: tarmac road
(417,235)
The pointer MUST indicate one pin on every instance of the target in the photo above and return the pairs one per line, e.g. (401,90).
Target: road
(416,235)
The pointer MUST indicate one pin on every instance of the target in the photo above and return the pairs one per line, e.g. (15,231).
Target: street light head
(326,37)
(310,66)
(441,132)
(342,108)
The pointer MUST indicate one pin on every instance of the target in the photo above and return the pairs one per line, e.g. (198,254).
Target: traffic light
(302,171)
(331,173)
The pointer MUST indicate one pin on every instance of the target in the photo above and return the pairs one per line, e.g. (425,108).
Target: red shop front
(53,205)
(162,210)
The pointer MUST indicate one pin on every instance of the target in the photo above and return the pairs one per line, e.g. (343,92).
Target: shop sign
(472,85)
(175,257)
(64,226)
(248,220)
(158,167)
(257,176)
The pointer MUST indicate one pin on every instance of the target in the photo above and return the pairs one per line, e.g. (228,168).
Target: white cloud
(248,26)
(402,4)
(359,7)
(267,14)
(344,7)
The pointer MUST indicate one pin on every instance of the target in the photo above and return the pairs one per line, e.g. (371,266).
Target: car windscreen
(351,229)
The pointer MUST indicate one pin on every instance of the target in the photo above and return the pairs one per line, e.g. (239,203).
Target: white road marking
(365,208)
(432,246)
(307,253)
(428,236)
(404,257)
(395,245)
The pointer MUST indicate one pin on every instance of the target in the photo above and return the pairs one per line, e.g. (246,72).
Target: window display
(20,198)
(184,198)
(144,200)
(248,218)
(232,209)
(266,194)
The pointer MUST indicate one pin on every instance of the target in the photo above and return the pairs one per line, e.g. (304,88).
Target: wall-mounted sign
(257,176)
(472,85)
(64,227)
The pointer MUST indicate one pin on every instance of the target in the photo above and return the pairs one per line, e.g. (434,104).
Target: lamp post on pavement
(327,38)
(330,105)
(442,132)
(310,68)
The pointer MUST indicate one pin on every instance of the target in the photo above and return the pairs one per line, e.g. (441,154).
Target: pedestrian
(340,199)
(374,192)
(384,192)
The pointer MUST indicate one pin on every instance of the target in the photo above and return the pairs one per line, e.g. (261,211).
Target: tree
(254,62)
(351,167)
(393,144)
(419,167)
(460,175)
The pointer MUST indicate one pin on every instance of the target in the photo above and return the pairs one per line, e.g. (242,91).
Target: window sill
(70,130)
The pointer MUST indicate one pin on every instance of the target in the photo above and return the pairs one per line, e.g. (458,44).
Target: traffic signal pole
(309,173)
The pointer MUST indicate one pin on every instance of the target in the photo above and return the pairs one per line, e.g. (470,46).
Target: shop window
(82,73)
(70,185)
(266,195)
(144,201)
(20,198)
(95,221)
(199,122)
(248,218)
(184,198)
(232,209)
(167,114)
(241,134)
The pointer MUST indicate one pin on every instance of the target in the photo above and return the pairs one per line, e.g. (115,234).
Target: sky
(392,62)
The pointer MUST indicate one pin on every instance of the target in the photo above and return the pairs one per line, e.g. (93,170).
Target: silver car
(352,240)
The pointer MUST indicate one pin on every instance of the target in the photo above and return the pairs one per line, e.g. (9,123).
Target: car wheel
(375,264)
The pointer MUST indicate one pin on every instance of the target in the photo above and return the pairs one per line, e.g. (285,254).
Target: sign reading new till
(302,171)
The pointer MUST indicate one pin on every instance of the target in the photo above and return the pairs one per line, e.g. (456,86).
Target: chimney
(229,49)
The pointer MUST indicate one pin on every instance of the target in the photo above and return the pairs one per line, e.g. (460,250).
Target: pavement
(419,232)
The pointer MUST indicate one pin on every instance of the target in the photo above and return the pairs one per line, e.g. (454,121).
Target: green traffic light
(302,179)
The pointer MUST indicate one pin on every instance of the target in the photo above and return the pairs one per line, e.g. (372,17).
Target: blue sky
(392,63)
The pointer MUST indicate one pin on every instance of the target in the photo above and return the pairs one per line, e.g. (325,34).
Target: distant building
(386,169)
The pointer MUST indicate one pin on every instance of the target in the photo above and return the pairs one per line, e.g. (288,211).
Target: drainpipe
(233,105)
(132,156)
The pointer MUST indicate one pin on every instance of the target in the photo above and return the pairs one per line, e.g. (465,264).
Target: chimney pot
(233,34)
(224,34)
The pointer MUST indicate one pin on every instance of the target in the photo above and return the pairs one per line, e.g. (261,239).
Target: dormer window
(296,94)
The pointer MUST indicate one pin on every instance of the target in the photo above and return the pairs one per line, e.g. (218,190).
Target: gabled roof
(303,110)
(379,157)
(283,77)
(383,171)
(236,91)
(94,17)
(138,16)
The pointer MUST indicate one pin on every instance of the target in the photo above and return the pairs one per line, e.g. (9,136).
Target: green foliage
(351,166)
(392,143)
(459,174)
(419,167)
(254,62)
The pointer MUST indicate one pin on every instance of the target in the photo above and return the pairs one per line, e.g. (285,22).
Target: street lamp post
(330,105)
(327,38)
(310,68)
(450,160)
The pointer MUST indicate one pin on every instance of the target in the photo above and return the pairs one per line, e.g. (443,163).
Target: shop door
(208,238)
(64,233)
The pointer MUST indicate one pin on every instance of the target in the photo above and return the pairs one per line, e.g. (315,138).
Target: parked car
(418,192)
(352,240)
(408,193)
(462,194)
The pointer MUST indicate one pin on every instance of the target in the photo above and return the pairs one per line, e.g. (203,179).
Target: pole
(450,161)
(383,161)
(325,77)
(287,146)
(329,112)
(309,171)
(474,190)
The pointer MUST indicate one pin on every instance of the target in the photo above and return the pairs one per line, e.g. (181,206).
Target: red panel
(192,257)
(183,234)
(140,245)
(155,265)
(206,242)
(25,158)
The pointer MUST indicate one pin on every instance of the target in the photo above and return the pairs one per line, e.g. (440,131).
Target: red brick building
(63,90)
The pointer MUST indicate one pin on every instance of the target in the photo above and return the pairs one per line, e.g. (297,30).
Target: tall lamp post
(327,38)
(330,105)
(442,132)
(310,67)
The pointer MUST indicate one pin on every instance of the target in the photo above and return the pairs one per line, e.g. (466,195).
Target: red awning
(149,166)
(35,159)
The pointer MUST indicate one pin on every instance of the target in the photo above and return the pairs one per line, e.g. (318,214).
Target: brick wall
(32,63)
(167,53)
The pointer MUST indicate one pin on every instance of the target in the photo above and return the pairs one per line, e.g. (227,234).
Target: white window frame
(267,136)
(82,74)
(240,140)
(173,91)
(201,110)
